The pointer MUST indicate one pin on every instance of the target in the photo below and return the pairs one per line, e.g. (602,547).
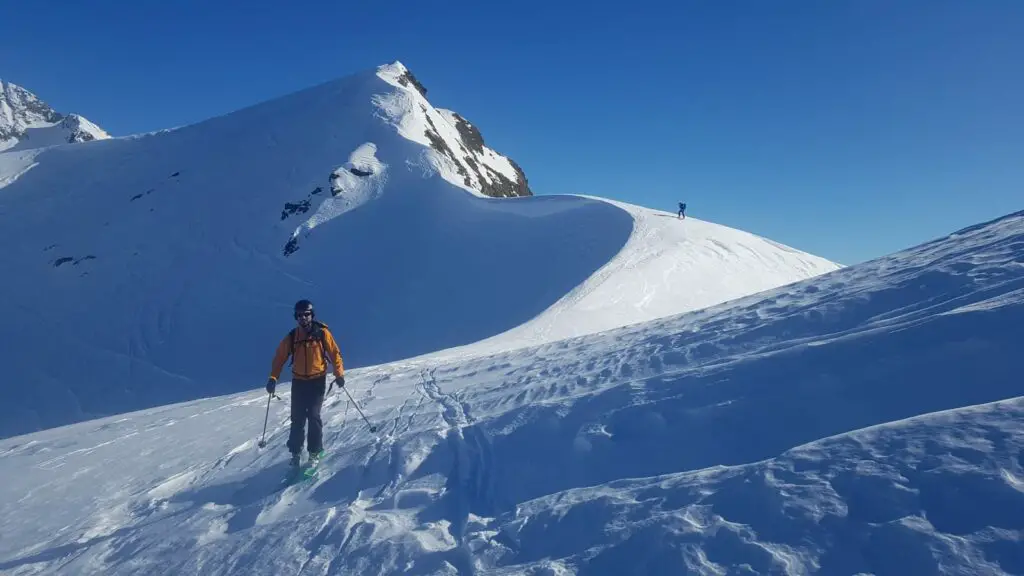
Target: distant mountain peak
(26,121)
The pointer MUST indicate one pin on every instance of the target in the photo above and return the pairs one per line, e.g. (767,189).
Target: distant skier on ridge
(682,211)
(311,346)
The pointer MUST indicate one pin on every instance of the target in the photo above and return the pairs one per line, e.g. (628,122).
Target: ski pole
(263,440)
(372,427)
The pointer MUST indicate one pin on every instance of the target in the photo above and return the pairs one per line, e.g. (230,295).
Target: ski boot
(314,462)
(314,458)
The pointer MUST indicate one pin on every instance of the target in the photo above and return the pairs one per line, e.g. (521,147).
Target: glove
(271,385)
(340,381)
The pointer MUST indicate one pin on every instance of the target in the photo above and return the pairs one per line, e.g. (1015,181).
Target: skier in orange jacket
(312,347)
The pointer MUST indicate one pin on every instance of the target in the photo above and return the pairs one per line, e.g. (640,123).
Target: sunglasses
(303,314)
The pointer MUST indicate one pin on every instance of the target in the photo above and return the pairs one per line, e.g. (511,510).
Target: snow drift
(864,421)
(160,268)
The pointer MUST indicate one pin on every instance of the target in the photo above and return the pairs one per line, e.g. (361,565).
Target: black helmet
(304,305)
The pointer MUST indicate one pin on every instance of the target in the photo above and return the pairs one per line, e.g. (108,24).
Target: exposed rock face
(480,167)
(499,184)
(469,161)
(407,79)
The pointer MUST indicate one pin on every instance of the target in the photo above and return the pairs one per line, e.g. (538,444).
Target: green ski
(314,464)
(307,471)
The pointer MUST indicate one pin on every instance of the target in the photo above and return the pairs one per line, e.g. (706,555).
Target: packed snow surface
(163,267)
(866,421)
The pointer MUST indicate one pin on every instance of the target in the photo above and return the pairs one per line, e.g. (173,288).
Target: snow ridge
(666,269)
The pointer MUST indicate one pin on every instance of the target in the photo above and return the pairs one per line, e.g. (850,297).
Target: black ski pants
(307,400)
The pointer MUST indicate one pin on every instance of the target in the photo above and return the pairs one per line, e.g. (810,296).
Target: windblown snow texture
(868,420)
(162,268)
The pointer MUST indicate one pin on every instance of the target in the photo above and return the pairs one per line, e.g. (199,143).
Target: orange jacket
(308,361)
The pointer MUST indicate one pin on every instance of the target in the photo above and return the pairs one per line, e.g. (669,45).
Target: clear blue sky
(848,128)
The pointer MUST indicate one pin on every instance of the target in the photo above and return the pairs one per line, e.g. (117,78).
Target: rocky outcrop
(480,167)
(464,158)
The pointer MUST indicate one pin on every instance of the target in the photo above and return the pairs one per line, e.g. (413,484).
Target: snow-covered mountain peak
(397,74)
(28,122)
(80,129)
(460,153)
(20,109)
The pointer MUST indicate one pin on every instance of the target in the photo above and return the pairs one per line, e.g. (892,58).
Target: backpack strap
(318,332)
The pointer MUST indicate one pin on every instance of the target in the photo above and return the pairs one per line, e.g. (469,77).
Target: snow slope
(27,122)
(665,269)
(865,421)
(162,267)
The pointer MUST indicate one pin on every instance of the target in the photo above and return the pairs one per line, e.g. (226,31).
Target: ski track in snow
(867,421)
(13,165)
